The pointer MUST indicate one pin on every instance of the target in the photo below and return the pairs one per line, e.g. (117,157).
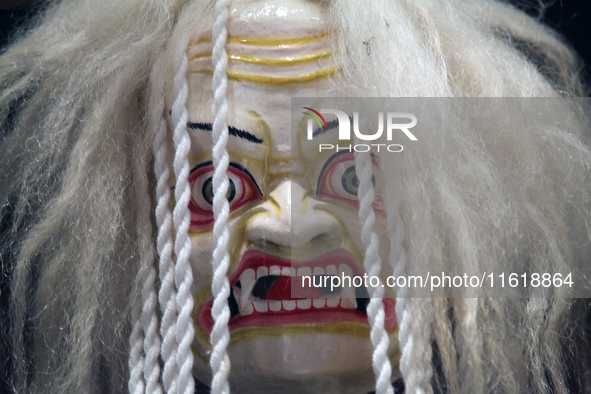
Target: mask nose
(291,219)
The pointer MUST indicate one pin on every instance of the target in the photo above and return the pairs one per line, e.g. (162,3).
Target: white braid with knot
(220,287)
(136,360)
(373,266)
(164,245)
(181,219)
(415,362)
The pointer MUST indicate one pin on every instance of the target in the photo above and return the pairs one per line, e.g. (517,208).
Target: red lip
(288,310)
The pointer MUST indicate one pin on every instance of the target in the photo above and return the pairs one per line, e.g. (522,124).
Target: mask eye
(338,180)
(349,181)
(207,190)
(242,190)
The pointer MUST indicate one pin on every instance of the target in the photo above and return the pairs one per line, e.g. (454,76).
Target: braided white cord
(373,266)
(149,320)
(149,317)
(181,219)
(167,294)
(136,360)
(220,334)
(415,361)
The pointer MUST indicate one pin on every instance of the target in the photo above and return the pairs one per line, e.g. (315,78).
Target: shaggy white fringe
(77,160)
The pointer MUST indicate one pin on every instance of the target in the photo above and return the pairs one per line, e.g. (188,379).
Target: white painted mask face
(278,344)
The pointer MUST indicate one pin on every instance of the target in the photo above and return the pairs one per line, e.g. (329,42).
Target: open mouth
(270,291)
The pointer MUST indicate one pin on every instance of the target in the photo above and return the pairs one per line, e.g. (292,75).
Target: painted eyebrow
(331,125)
(245,135)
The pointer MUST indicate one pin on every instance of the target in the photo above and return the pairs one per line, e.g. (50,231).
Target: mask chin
(293,361)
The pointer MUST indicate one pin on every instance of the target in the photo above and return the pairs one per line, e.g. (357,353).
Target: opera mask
(293,210)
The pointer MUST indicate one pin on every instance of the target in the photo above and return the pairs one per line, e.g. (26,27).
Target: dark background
(572,18)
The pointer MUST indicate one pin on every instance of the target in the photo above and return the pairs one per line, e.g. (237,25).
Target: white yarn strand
(149,320)
(164,245)
(149,315)
(415,361)
(373,266)
(403,318)
(136,360)
(181,219)
(220,334)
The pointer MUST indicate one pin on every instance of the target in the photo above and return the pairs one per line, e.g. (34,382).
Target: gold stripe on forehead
(276,81)
(279,62)
(266,42)
(282,61)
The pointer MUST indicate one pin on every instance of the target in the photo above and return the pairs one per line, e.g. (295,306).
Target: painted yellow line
(286,61)
(267,42)
(278,81)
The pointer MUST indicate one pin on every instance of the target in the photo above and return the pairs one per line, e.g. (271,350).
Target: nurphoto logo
(343,122)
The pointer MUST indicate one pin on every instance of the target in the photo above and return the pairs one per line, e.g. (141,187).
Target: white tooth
(275,270)
(262,271)
(332,302)
(348,299)
(289,305)
(331,270)
(247,282)
(275,306)
(345,269)
(288,271)
(349,303)
(318,271)
(304,271)
(236,291)
(348,291)
(305,304)
(261,306)
(247,310)
(319,302)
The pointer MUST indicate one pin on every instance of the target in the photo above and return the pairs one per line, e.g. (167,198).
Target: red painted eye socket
(243,190)
(338,181)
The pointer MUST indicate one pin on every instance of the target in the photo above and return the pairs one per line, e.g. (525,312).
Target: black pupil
(349,181)
(207,191)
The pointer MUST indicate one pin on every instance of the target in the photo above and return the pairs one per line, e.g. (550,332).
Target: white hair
(82,108)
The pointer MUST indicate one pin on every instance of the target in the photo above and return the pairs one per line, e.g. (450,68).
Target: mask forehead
(275,52)
(284,17)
